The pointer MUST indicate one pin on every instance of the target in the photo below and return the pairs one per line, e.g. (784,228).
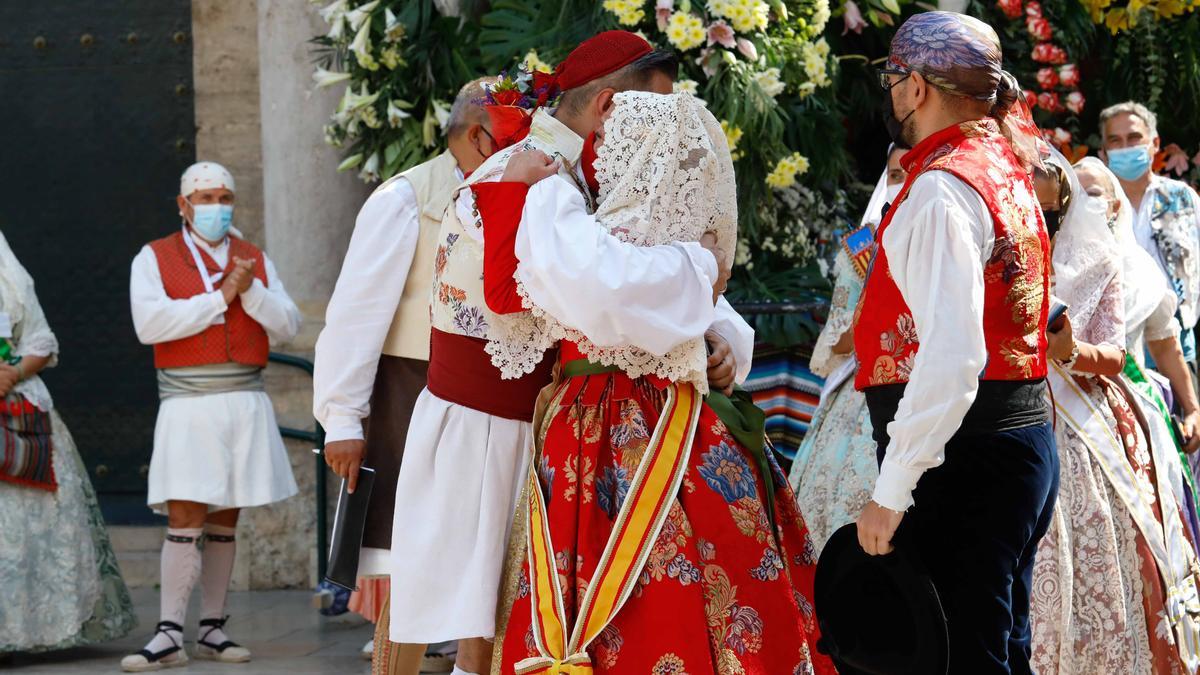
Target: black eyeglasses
(885,71)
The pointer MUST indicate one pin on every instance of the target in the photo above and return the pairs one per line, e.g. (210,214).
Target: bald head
(468,131)
(468,109)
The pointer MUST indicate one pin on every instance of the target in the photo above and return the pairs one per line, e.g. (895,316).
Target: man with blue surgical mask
(1166,211)
(211,305)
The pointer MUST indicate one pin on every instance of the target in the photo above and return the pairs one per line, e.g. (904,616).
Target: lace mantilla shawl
(665,175)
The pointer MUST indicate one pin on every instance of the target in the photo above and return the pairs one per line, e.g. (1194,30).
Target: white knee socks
(180,569)
(219,549)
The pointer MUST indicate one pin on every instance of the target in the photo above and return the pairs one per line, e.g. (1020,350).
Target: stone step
(131,538)
(141,569)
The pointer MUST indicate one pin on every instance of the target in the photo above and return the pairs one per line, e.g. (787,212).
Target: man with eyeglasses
(951,342)
(372,356)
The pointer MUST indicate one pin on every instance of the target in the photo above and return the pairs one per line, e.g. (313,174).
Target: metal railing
(317,438)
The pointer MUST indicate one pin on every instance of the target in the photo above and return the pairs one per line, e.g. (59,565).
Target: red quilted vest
(1016,276)
(240,339)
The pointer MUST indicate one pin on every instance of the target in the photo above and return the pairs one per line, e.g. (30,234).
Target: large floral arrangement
(763,67)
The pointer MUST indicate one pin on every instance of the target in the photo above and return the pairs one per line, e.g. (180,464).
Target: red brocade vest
(1016,276)
(240,339)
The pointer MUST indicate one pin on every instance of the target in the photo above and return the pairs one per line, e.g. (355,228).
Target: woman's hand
(9,377)
(1061,341)
(529,167)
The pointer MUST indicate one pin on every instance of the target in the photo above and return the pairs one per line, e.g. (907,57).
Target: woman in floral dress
(1100,600)
(722,582)
(59,582)
(835,468)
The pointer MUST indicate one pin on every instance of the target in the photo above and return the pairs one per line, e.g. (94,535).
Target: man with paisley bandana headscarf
(951,340)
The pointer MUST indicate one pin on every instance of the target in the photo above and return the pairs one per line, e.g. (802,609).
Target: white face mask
(893,191)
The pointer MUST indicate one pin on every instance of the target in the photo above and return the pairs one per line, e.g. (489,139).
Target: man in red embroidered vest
(951,341)
(210,303)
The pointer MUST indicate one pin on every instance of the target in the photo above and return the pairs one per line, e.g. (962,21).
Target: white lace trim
(665,175)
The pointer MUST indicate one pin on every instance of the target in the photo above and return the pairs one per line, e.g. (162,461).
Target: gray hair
(468,107)
(1132,108)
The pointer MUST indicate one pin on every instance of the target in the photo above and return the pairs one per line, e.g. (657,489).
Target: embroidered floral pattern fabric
(715,568)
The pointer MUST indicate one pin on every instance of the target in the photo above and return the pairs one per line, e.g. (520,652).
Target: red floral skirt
(719,593)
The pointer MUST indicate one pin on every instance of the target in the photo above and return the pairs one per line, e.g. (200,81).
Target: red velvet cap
(599,56)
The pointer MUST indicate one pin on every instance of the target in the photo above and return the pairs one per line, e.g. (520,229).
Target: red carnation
(1030,98)
(1045,52)
(1033,10)
(1039,28)
(1075,102)
(1048,101)
(1069,75)
(1011,8)
(506,97)
(1047,78)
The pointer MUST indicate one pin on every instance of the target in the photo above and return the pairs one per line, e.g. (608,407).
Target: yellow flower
(534,63)
(685,30)
(733,135)
(390,57)
(1117,20)
(785,171)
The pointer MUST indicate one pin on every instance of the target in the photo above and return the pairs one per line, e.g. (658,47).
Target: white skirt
(462,474)
(223,450)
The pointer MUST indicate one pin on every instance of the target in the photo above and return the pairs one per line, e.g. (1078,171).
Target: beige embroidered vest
(433,182)
(457,301)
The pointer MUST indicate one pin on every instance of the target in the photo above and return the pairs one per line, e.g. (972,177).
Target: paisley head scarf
(961,55)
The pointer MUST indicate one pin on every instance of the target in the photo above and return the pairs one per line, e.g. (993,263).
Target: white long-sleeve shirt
(380,256)
(363,307)
(160,318)
(937,244)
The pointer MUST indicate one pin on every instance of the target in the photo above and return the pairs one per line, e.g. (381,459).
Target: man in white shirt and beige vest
(372,356)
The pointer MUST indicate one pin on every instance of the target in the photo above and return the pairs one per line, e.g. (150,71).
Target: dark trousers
(976,525)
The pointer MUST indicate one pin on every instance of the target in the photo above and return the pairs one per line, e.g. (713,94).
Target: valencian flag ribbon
(638,523)
(859,245)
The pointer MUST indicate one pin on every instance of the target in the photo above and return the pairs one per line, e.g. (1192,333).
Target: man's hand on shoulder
(529,167)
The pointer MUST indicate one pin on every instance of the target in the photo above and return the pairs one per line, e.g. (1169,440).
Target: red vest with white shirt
(1016,274)
(240,339)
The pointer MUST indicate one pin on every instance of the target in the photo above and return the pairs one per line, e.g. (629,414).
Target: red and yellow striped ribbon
(638,524)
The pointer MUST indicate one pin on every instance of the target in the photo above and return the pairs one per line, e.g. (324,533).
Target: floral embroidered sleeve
(936,250)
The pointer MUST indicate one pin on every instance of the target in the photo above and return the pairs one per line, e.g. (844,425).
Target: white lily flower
(362,44)
(393,30)
(370,170)
(395,114)
(359,15)
(333,10)
(441,112)
(325,78)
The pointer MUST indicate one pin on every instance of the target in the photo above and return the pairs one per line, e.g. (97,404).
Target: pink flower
(1033,10)
(1039,28)
(1069,75)
(1075,102)
(719,33)
(1011,8)
(1176,159)
(1030,98)
(1047,78)
(747,49)
(706,62)
(853,18)
(1048,101)
(662,12)
(1061,136)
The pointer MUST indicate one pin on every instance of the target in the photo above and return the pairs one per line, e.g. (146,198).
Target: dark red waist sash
(461,372)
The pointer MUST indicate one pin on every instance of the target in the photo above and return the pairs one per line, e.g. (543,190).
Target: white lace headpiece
(665,175)
(1086,260)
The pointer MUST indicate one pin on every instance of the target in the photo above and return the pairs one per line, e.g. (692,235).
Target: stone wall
(258,114)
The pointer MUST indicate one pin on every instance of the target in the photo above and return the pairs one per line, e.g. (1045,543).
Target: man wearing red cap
(466,451)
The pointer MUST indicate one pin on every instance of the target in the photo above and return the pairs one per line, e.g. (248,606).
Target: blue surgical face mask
(1130,163)
(212,221)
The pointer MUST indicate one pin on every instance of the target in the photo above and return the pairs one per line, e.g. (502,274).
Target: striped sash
(562,649)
